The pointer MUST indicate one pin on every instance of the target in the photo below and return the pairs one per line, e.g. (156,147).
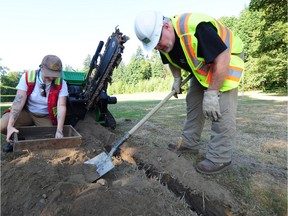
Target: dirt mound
(147,180)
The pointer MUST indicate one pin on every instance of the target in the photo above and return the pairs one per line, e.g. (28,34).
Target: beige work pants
(25,118)
(223,131)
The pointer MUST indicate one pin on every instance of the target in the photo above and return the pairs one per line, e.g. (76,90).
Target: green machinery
(88,90)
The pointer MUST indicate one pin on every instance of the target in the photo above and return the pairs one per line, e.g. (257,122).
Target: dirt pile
(147,180)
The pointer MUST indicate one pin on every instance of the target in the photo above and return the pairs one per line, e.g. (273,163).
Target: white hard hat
(148,27)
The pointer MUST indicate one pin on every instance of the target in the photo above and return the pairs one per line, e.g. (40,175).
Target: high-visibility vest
(185,27)
(55,88)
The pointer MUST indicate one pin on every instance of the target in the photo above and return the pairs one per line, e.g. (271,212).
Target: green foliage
(7,98)
(230,22)
(68,68)
(139,68)
(267,73)
(3,70)
(6,90)
(158,70)
(9,82)
(267,46)
(155,84)
(86,63)
(118,72)
(248,27)
(274,11)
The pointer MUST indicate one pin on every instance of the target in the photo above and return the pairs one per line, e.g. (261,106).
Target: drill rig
(88,91)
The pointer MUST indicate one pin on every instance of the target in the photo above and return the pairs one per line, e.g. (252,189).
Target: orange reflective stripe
(182,23)
(183,27)
(230,41)
(221,32)
(203,72)
(204,69)
(234,73)
(225,34)
(187,40)
(236,68)
(178,27)
(186,20)
(233,78)
(209,76)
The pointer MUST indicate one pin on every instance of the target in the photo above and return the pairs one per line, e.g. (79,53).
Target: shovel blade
(103,163)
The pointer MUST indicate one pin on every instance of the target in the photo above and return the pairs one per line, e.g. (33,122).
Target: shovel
(103,161)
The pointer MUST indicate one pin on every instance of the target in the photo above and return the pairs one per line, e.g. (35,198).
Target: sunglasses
(43,89)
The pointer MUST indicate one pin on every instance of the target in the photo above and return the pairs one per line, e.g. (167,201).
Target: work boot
(208,167)
(7,147)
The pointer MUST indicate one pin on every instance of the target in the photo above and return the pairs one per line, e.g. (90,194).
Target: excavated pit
(198,201)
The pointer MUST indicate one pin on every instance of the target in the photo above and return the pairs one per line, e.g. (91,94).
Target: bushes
(6,90)
(7,98)
(155,84)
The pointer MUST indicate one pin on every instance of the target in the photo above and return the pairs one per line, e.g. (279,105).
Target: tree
(157,66)
(139,68)
(230,22)
(274,18)
(87,62)
(9,82)
(3,70)
(248,28)
(118,72)
(68,68)
(270,54)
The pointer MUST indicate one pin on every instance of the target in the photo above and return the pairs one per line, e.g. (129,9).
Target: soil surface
(147,178)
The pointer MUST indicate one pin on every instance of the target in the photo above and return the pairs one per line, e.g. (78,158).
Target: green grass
(171,114)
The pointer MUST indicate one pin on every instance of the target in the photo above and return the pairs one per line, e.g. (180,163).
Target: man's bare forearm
(220,70)
(176,72)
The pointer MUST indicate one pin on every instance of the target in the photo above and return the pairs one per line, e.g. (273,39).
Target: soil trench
(201,196)
(197,202)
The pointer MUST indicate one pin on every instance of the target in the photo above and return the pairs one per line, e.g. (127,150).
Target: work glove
(211,108)
(177,86)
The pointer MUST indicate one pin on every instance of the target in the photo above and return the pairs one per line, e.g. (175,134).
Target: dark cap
(51,66)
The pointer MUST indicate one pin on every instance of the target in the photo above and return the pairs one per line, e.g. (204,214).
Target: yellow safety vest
(185,27)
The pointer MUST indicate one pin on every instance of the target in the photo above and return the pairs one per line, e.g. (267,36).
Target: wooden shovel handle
(143,120)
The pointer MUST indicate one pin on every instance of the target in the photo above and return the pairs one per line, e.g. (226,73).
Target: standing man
(201,45)
(40,99)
